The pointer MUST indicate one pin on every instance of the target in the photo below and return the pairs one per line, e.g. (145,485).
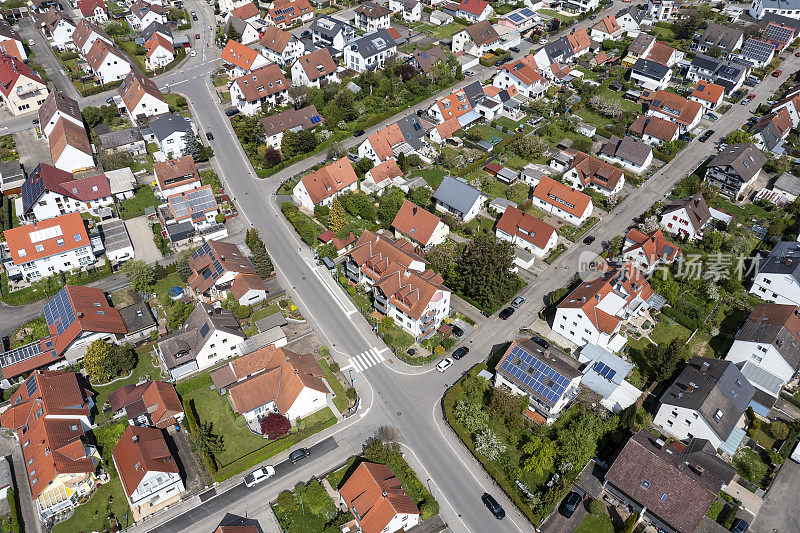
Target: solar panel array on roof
(778,33)
(32,189)
(527,12)
(204,249)
(196,201)
(535,374)
(604,370)
(59,312)
(31,386)
(516,17)
(20,353)
(758,50)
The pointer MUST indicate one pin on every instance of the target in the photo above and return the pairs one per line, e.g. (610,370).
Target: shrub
(324,351)
(775,457)
(351,291)
(334,367)
(286,501)
(596,507)
(756,425)
(630,524)
(275,425)
(439,350)
(351,393)
(779,430)
(428,508)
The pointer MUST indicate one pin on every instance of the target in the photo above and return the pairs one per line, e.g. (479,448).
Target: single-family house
(143,14)
(686,217)
(457,197)
(735,168)
(410,10)
(280,47)
(476,39)
(314,69)
(522,74)
(159,52)
(608,29)
(21,89)
(758,52)
(49,192)
(675,108)
(654,130)
(378,500)
(586,171)
(169,132)
(381,176)
(639,49)
(219,270)
(290,120)
(630,19)
(727,38)
(650,75)
(648,251)
(241,59)
(425,60)
(778,278)
(527,232)
(323,185)
(631,154)
(779,33)
(262,86)
(86,33)
(107,62)
(370,52)
(474,10)
(730,73)
(11,43)
(557,199)
(287,13)
(57,27)
(330,32)
(708,95)
(142,98)
(148,403)
(771,130)
(94,11)
(419,225)
(605,373)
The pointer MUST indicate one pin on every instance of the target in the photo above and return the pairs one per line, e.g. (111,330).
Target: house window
(663,496)
(645,484)
(718,415)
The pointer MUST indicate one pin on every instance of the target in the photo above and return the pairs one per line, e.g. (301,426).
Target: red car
(797,54)
(196,35)
(776,73)
(751,96)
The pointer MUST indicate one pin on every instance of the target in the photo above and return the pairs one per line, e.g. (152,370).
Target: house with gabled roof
(175,176)
(270,380)
(52,411)
(778,278)
(247,32)
(264,85)
(758,52)
(323,185)
(605,373)
(595,311)
(149,403)
(291,119)
(648,251)
(587,172)
(707,400)
(143,14)
(57,27)
(526,231)
(381,176)
(58,105)
(142,97)
(779,34)
(564,49)
(49,192)
(771,130)
(315,69)
(767,351)
(735,168)
(456,197)
(159,51)
(730,73)
(671,484)
(226,6)
(107,62)
(248,12)
(631,154)
(220,269)
(639,48)
(425,60)
(280,47)
(561,200)
(654,130)
(286,13)
(70,149)
(548,377)
(209,336)
(522,74)
(10,42)
(725,37)
(21,89)
(476,39)
(147,470)
(607,29)
(86,33)
(650,75)
(198,206)
(410,10)
(378,500)
(419,225)
(168,132)
(371,16)
(454,105)
(708,95)
(475,10)
(241,59)
(674,108)
(371,51)
(94,11)
(58,244)
(327,31)
(686,217)
(402,285)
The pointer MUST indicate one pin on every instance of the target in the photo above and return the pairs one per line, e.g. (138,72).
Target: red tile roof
(515,222)
(525,70)
(239,55)
(656,127)
(579,40)
(592,170)
(245,12)
(243,283)
(317,64)
(92,314)
(710,92)
(87,7)
(447,128)
(227,255)
(476,7)
(386,170)
(454,104)
(654,246)
(328,237)
(330,179)
(135,87)
(162,403)
(286,11)
(11,69)
(660,53)
(176,172)
(141,450)
(551,191)
(262,82)
(415,222)
(57,442)
(385,140)
(375,496)
(66,133)
(23,241)
(155,41)
(275,39)
(679,108)
(608,25)
(84,30)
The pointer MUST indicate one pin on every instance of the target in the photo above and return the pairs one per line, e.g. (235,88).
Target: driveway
(33,149)
(557,523)
(47,58)
(142,238)
(191,471)
(781,510)
(10,447)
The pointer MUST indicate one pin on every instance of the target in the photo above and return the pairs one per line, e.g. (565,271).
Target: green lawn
(320,417)
(555,14)
(397,337)
(84,517)
(162,287)
(433,176)
(443,32)
(766,440)
(134,207)
(591,116)
(664,34)
(172,100)
(30,331)
(664,332)
(340,399)
(144,366)
(487,132)
(596,524)
(271,309)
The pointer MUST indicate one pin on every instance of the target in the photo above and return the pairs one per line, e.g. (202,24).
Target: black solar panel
(20,353)
(31,386)
(196,201)
(204,249)
(59,312)
(32,188)
(536,374)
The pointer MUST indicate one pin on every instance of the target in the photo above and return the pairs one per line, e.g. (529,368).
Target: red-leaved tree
(275,425)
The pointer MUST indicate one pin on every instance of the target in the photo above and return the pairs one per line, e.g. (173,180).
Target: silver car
(257,476)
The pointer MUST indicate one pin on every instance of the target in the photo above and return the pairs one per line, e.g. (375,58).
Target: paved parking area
(557,523)
(32,148)
(781,510)
(142,238)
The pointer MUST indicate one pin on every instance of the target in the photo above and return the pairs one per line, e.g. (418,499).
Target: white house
(143,14)
(686,217)
(236,277)
(778,278)
(209,336)
(767,347)
(411,10)
(226,6)
(93,10)
(265,85)
(323,185)
(59,244)
(378,500)
(291,119)
(708,95)
(523,75)
(648,251)
(676,109)
(735,168)
(168,132)
(595,311)
(327,31)
(159,52)
(280,47)
(587,172)
(57,27)
(58,105)
(381,176)
(607,29)
(148,472)
(475,10)
(107,62)
(554,382)
(372,17)
(629,153)
(476,39)
(241,59)
(51,192)
(605,374)
(526,231)
(86,34)
(314,69)
(457,197)
(419,225)
(142,97)
(370,51)
(650,75)
(70,148)
(707,401)
(560,200)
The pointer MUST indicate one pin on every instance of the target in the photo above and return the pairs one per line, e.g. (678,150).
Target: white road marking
(346,367)
(378,355)
(384,350)
(355,364)
(351,313)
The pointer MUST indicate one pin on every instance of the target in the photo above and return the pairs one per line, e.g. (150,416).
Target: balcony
(29,92)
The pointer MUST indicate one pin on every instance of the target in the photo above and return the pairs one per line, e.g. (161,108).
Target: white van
(796,454)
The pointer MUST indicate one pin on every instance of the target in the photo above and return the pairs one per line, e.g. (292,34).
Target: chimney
(414,210)
(384,494)
(80,315)
(135,438)
(705,366)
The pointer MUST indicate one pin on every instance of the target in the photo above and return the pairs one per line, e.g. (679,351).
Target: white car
(31,42)
(542,41)
(444,364)
(193,53)
(257,476)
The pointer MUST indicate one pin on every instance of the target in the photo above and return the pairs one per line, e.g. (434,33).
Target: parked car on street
(257,476)
(232,111)
(518,301)
(444,364)
(209,136)
(457,331)
(492,504)
(299,454)
(777,73)
(460,352)
(505,313)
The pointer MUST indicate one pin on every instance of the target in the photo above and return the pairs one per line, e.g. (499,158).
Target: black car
(505,313)
(592,17)
(306,33)
(569,504)
(209,136)
(589,239)
(298,455)
(493,506)
(460,352)
(486,314)
(706,136)
(110,100)
(739,526)
(514,49)
(541,342)
(358,133)
(232,111)
(457,331)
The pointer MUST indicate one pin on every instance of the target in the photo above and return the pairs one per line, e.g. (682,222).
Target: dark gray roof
(641,43)
(716,389)
(154,27)
(725,37)
(116,139)
(744,158)
(329,26)
(788,183)
(783,259)
(650,69)
(180,231)
(238,25)
(114,235)
(412,131)
(271,321)
(11,170)
(629,149)
(768,131)
(457,193)
(373,43)
(474,93)
(774,332)
(635,13)
(5,473)
(757,50)
(181,347)
(780,19)
(705,62)
(559,51)
(137,317)
(166,125)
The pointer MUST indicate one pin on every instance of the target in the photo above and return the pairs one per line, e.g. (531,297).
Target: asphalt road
(46,57)
(781,510)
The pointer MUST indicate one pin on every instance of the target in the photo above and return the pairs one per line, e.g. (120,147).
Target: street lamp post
(352,383)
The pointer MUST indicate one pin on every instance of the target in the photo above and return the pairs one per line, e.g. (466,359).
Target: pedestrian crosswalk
(364,360)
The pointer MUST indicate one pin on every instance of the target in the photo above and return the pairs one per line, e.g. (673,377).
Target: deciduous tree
(275,425)
(489,445)
(336,216)
(140,276)
(541,455)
